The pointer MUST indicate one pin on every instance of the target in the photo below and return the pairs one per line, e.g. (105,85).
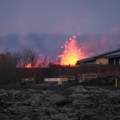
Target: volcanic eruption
(71,52)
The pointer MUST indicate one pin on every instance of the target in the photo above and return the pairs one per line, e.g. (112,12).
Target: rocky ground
(74,103)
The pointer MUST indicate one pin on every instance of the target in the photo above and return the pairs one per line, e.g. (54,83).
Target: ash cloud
(98,44)
(50,45)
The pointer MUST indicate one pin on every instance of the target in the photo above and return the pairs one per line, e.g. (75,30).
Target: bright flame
(28,66)
(71,52)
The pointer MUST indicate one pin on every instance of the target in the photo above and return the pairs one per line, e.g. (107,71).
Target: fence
(78,71)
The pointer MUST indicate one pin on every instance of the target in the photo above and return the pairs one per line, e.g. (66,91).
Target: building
(112,57)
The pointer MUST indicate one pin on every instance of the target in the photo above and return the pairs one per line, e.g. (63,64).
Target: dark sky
(59,16)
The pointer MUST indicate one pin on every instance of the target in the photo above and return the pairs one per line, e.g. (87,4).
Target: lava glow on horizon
(29,66)
(71,52)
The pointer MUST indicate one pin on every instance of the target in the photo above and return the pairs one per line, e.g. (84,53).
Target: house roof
(115,53)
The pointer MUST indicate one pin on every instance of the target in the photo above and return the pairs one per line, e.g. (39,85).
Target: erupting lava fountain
(71,52)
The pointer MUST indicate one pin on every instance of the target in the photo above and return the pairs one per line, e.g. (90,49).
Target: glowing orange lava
(71,52)
(28,66)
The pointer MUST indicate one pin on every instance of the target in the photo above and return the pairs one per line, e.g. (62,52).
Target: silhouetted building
(112,57)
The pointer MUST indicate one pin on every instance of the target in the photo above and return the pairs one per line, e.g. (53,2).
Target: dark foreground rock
(77,103)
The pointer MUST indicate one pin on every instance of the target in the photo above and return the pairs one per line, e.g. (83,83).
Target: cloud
(50,45)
